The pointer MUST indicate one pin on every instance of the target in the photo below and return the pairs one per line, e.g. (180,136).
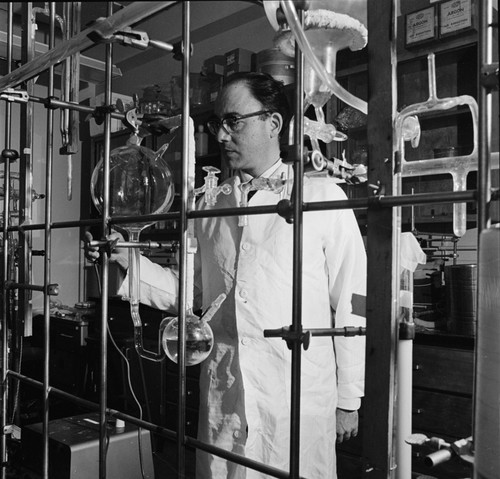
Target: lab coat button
(236,434)
(245,247)
(243,294)
(244,341)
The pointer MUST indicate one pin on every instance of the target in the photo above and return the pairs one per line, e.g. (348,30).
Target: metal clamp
(285,210)
(304,337)
(53,289)
(8,154)
(489,77)
(99,113)
(50,103)
(377,189)
(10,94)
(109,246)
(133,38)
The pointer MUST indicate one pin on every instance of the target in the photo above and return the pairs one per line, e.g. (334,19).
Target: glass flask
(140,183)
(199,339)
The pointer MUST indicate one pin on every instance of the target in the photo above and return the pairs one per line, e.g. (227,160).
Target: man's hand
(118,255)
(347,425)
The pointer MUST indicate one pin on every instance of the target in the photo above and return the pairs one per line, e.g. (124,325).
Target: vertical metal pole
(103,381)
(5,241)
(297,258)
(26,174)
(48,250)
(485,57)
(382,240)
(181,420)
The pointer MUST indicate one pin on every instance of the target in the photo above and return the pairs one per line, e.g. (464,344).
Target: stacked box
(214,86)
(238,60)
(214,65)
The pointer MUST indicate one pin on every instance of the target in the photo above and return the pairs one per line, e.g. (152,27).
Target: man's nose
(222,135)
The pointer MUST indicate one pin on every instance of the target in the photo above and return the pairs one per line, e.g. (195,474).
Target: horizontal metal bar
(257,466)
(289,335)
(92,64)
(354,203)
(55,103)
(133,13)
(59,225)
(139,244)
(345,331)
(51,290)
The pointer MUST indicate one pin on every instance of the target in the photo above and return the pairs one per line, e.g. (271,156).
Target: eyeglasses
(231,123)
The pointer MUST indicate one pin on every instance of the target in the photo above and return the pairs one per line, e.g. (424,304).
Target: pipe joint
(51,102)
(53,289)
(285,210)
(100,113)
(9,155)
(290,336)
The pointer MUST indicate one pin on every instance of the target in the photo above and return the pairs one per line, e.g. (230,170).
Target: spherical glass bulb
(140,183)
(199,339)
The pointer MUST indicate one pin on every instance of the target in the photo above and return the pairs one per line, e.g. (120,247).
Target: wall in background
(66,250)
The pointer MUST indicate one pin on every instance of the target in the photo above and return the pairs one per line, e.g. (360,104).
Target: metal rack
(383,233)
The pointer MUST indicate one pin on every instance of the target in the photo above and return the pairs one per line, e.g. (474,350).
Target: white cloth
(246,381)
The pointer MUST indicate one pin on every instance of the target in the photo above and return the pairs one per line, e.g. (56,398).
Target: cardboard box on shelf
(238,60)
(214,86)
(116,124)
(214,65)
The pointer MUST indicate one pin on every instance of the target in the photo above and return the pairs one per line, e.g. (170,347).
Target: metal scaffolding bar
(103,397)
(26,175)
(485,60)
(104,27)
(184,264)
(49,155)
(6,158)
(297,206)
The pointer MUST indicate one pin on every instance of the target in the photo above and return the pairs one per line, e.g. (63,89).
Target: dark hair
(267,90)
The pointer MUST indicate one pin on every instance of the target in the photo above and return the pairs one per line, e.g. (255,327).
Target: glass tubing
(129,15)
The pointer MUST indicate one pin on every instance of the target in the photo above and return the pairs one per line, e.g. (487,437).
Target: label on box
(420,26)
(455,15)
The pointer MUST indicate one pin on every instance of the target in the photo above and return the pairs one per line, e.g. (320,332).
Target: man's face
(247,149)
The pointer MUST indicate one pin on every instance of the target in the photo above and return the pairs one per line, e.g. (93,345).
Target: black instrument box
(74,449)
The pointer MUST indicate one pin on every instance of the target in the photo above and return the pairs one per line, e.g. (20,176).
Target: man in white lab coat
(245,383)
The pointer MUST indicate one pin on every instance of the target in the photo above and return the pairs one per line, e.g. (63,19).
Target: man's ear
(276,124)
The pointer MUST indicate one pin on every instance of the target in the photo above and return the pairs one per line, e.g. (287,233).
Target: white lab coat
(245,383)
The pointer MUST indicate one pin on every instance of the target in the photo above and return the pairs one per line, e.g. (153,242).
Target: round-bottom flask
(199,339)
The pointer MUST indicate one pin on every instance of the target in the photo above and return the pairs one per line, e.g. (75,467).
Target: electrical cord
(129,381)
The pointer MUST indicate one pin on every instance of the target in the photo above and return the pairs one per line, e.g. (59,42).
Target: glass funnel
(325,33)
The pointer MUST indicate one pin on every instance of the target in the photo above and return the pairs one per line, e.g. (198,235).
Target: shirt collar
(246,177)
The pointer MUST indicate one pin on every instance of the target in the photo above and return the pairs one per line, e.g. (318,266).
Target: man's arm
(159,286)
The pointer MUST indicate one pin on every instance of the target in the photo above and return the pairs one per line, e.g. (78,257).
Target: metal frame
(382,240)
